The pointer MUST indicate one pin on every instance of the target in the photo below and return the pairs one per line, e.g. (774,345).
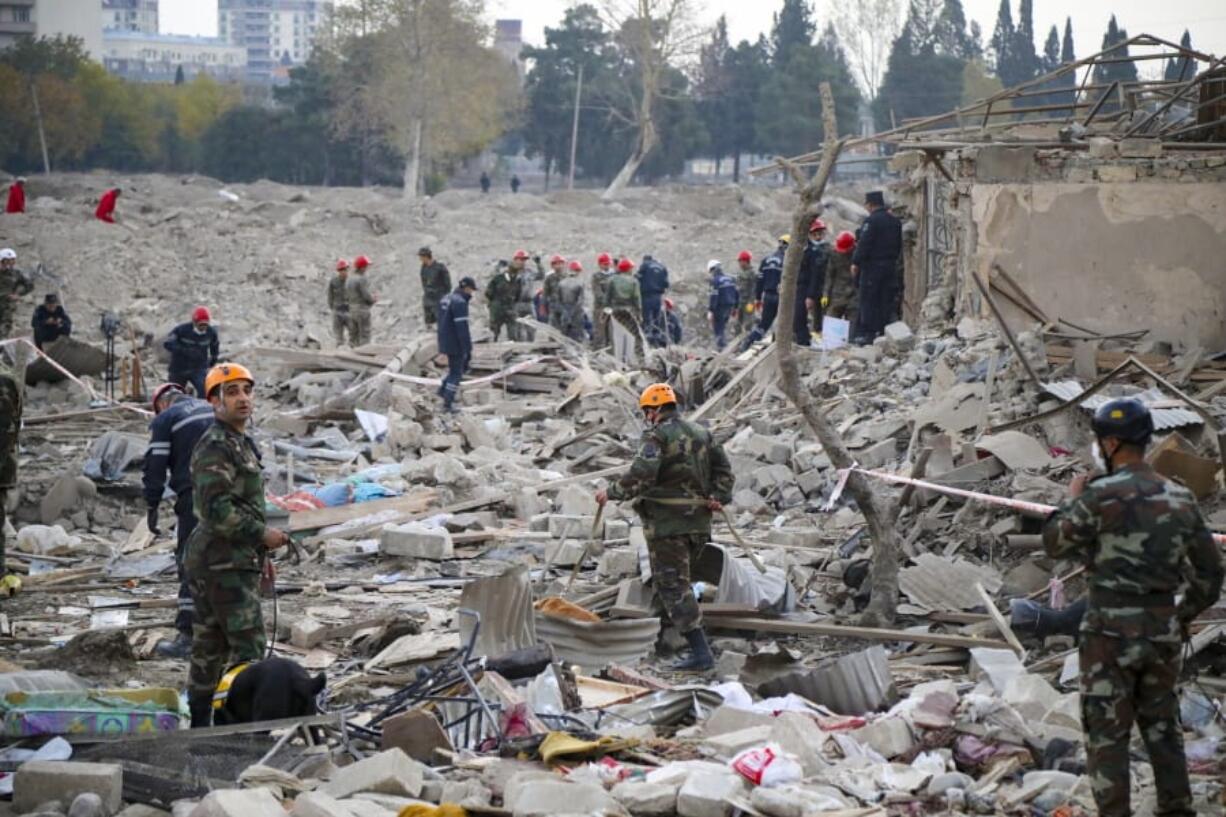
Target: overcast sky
(1205,18)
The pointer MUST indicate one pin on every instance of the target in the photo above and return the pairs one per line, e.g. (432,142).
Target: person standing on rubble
(503,295)
(435,284)
(809,282)
(653,283)
(679,477)
(360,299)
(455,339)
(600,287)
(839,297)
(194,347)
(1144,542)
(874,265)
(17,196)
(570,302)
(721,303)
(228,550)
(338,302)
(13,285)
(178,424)
(746,281)
(106,205)
(624,305)
(553,309)
(766,292)
(485,182)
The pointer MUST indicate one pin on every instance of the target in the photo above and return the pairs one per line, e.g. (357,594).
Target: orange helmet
(224,373)
(656,395)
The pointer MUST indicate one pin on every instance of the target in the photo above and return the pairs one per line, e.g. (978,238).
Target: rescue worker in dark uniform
(722,302)
(875,266)
(679,477)
(809,282)
(179,422)
(50,321)
(653,283)
(766,292)
(228,550)
(435,284)
(455,339)
(1152,567)
(194,347)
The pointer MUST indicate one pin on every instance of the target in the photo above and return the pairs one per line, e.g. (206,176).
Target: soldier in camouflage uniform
(624,302)
(553,278)
(1143,540)
(13,285)
(840,295)
(746,283)
(503,294)
(338,301)
(360,300)
(435,284)
(10,427)
(600,288)
(679,477)
(570,302)
(226,552)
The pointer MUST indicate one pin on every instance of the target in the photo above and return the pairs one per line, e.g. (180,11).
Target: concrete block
(318,804)
(618,562)
(616,529)
(889,737)
(647,799)
(469,793)
(1031,696)
(876,456)
(564,553)
(730,744)
(795,537)
(727,719)
(810,482)
(770,476)
(539,523)
(809,458)
(442,442)
(678,772)
(570,526)
(1116,174)
(40,781)
(417,541)
(389,772)
(548,798)
(998,163)
(575,500)
(1140,148)
(417,734)
(239,803)
(799,735)
(767,448)
(521,781)
(706,795)
(1102,148)
(997,667)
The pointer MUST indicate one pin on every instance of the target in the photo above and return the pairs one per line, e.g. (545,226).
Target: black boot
(178,647)
(202,711)
(700,659)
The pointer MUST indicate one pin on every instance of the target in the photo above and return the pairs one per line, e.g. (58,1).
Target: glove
(825,301)
(151,519)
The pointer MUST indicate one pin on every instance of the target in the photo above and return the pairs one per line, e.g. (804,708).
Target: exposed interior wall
(1109,257)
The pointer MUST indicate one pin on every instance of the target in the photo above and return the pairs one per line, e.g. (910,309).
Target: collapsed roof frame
(980,118)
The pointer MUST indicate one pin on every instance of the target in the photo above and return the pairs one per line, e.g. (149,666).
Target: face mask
(1100,459)
(200,330)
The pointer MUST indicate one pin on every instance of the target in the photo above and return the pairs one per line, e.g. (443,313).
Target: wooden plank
(766,625)
(326,517)
(766,354)
(999,621)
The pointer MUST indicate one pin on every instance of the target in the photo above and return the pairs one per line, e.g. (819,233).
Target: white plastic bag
(767,766)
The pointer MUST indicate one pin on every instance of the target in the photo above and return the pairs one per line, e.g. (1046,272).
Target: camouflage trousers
(228,628)
(340,326)
(504,317)
(670,576)
(1125,680)
(359,329)
(10,428)
(845,309)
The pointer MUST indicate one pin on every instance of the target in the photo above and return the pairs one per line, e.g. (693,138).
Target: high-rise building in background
(130,15)
(140,57)
(276,33)
(48,18)
(509,41)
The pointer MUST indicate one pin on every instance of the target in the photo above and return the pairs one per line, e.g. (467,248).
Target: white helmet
(713,264)
(7,254)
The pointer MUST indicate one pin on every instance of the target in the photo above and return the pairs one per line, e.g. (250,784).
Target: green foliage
(1115,71)
(1181,68)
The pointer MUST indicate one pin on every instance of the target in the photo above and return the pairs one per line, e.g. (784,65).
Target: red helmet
(161,391)
(361,262)
(745,255)
(556,259)
(817,224)
(668,303)
(625,265)
(341,264)
(604,259)
(575,266)
(845,242)
(520,255)
(201,315)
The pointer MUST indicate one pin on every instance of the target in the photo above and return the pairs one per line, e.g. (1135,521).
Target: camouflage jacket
(357,293)
(1143,539)
(746,281)
(623,293)
(228,497)
(676,459)
(550,287)
(600,286)
(435,281)
(338,301)
(840,287)
(504,291)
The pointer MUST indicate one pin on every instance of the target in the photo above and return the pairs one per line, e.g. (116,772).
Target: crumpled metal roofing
(941,583)
(1165,417)
(850,685)
(597,644)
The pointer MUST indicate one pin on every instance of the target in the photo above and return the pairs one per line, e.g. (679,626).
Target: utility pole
(574,132)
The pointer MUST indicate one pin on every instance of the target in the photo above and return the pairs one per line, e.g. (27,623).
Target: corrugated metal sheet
(1165,415)
(851,685)
(505,606)
(940,583)
(596,644)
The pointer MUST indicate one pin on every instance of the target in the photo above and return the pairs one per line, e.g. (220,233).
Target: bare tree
(880,512)
(867,31)
(654,35)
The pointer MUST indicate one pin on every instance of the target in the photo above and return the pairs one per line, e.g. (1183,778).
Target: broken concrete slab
(728,745)
(997,667)
(644,799)
(41,781)
(547,798)
(416,541)
(706,794)
(239,803)
(417,733)
(389,772)
(888,736)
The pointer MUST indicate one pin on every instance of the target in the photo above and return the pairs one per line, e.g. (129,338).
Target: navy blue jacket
(46,334)
(653,278)
(724,294)
(191,351)
(812,275)
(770,271)
(454,338)
(172,436)
(879,243)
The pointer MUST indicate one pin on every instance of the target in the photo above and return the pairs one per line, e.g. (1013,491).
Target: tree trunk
(42,135)
(412,162)
(736,166)
(548,164)
(646,143)
(880,512)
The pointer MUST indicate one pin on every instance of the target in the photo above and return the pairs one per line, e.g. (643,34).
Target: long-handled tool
(692,502)
(587,547)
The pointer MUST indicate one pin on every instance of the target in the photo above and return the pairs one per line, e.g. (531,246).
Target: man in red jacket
(106,205)
(17,196)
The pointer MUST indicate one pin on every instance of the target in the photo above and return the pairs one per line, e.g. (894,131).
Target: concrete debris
(389,772)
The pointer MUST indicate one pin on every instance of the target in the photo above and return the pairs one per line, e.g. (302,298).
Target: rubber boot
(700,658)
(201,709)
(178,647)
(1023,615)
